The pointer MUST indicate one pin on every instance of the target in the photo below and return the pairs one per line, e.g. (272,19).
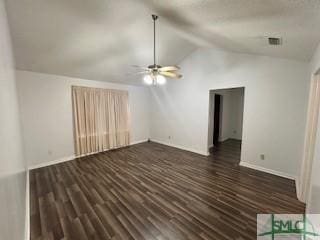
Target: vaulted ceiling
(101,39)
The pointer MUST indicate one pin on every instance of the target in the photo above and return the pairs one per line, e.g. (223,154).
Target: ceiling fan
(156,74)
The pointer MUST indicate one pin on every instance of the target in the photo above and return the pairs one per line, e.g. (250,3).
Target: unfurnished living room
(180,119)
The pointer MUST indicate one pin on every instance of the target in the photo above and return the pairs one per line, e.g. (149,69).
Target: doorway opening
(308,191)
(225,124)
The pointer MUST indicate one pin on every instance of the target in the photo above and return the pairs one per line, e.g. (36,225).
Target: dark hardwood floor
(228,151)
(151,191)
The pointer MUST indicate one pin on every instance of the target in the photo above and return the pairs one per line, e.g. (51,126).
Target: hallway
(228,151)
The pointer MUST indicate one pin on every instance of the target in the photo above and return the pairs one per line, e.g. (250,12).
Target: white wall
(12,165)
(274,109)
(231,114)
(313,204)
(237,108)
(46,112)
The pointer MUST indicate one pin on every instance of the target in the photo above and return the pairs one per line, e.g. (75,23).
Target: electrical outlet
(169,137)
(262,157)
(49,152)
(234,131)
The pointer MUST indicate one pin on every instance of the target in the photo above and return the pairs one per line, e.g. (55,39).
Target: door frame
(210,113)
(304,181)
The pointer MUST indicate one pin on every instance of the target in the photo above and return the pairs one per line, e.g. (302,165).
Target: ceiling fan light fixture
(157,79)
(161,80)
(156,74)
(148,80)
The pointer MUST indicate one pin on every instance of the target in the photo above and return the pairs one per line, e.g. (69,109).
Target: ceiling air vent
(275,41)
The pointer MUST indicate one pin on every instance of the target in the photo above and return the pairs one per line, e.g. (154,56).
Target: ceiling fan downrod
(154,17)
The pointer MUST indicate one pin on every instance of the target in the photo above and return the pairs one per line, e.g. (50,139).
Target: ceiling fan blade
(171,75)
(137,66)
(169,69)
(137,73)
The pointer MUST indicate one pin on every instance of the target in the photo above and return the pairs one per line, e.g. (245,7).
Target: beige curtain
(101,119)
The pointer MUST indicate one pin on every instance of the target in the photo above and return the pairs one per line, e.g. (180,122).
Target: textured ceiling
(100,39)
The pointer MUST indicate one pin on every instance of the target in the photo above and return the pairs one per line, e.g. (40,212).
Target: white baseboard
(262,169)
(52,162)
(181,147)
(137,142)
(72,157)
(27,220)
(223,139)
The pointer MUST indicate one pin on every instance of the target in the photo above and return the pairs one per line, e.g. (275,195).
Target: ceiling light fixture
(154,79)
(156,74)
(161,80)
(148,80)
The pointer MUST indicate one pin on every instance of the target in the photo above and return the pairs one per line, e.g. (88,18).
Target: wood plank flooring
(151,191)
(228,151)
